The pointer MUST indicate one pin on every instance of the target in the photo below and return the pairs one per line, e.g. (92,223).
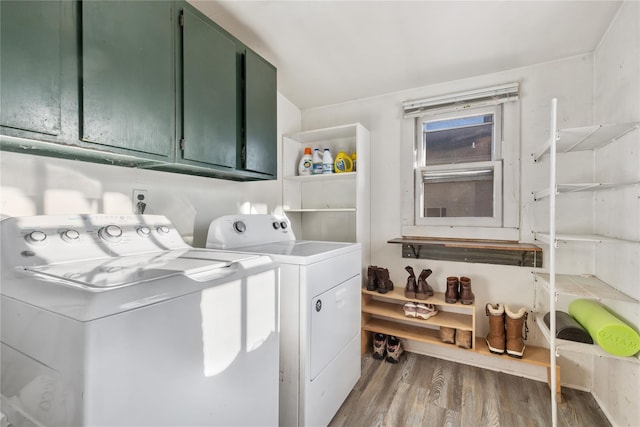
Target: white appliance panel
(335,317)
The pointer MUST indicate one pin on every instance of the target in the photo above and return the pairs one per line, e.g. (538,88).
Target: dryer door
(335,320)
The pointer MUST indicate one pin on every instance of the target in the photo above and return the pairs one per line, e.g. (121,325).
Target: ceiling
(329,52)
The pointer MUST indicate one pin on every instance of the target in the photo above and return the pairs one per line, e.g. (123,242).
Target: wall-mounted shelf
(574,188)
(583,286)
(584,238)
(487,252)
(322,177)
(586,138)
(320,210)
(577,347)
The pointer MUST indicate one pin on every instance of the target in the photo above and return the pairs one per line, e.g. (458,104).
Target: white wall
(582,99)
(34,185)
(382,116)
(617,100)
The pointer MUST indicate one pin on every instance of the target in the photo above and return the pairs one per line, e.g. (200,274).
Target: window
(460,158)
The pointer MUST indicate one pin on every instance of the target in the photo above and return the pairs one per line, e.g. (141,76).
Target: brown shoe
(515,322)
(394,349)
(410,290)
(384,283)
(452,294)
(372,282)
(463,338)
(495,338)
(424,291)
(447,335)
(379,346)
(466,296)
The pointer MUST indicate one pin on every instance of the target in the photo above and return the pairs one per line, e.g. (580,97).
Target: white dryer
(111,320)
(320,285)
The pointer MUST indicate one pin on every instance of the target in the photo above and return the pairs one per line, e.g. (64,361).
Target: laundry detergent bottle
(317,161)
(343,162)
(305,167)
(327,162)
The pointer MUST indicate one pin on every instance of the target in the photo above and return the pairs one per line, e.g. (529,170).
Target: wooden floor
(425,391)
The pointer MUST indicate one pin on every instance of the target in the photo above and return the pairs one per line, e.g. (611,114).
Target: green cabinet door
(30,34)
(209,79)
(260,115)
(128,75)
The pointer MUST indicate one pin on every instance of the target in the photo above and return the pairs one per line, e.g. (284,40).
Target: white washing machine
(115,321)
(320,315)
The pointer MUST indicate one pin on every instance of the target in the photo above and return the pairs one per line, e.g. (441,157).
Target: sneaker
(410,309)
(379,346)
(426,311)
(394,349)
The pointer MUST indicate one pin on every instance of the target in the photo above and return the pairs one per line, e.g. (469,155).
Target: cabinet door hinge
(182,19)
(182,144)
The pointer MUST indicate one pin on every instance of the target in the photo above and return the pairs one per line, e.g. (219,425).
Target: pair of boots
(459,337)
(378,279)
(459,289)
(387,347)
(421,289)
(505,330)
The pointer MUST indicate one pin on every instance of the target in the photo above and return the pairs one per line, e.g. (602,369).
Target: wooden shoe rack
(383,313)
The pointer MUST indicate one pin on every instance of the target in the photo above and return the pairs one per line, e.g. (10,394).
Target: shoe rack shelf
(383,313)
(391,320)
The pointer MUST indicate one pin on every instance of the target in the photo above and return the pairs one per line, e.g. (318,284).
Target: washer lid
(116,272)
(301,251)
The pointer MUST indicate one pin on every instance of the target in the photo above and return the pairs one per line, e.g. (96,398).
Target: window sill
(474,251)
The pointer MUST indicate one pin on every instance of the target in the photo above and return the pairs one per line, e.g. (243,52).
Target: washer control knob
(163,229)
(239,227)
(111,233)
(276,225)
(283,225)
(36,237)
(70,235)
(144,231)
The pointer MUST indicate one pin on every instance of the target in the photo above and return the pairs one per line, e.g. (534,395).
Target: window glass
(456,140)
(467,193)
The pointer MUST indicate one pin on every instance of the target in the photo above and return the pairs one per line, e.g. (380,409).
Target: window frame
(507,228)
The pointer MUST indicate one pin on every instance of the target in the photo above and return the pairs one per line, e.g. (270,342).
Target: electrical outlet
(140,201)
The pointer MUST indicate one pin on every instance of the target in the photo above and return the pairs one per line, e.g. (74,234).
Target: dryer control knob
(70,235)
(36,237)
(163,229)
(276,225)
(283,225)
(144,231)
(239,227)
(111,233)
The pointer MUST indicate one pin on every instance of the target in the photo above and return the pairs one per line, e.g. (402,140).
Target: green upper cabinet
(30,51)
(209,101)
(128,83)
(260,115)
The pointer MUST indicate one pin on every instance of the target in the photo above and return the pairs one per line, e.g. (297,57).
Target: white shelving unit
(573,286)
(333,207)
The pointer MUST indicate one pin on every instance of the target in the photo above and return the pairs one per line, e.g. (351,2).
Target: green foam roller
(608,331)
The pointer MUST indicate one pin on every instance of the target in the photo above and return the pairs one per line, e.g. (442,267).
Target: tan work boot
(515,323)
(495,338)
(447,335)
(463,338)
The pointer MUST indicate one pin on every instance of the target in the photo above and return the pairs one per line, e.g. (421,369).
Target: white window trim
(509,230)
